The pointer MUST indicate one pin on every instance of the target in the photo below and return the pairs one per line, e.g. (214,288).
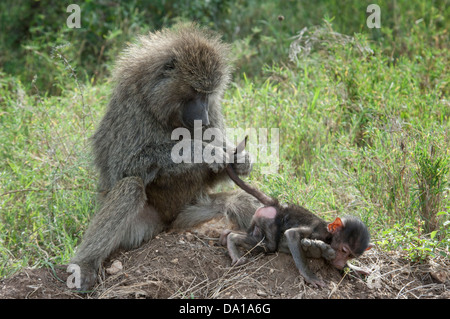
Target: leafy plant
(431,179)
(418,246)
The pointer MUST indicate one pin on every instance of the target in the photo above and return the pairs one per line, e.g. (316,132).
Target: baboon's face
(176,76)
(349,241)
(196,74)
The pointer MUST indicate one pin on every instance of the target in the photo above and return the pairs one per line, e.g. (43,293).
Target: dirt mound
(193,265)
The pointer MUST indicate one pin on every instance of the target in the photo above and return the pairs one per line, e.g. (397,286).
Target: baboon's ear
(335,226)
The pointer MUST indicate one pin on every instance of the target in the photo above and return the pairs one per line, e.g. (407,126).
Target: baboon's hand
(219,160)
(317,249)
(242,163)
(314,280)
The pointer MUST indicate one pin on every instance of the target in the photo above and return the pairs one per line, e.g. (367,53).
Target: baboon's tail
(263,198)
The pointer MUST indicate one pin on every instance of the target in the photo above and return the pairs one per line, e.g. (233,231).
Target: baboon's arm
(294,237)
(169,159)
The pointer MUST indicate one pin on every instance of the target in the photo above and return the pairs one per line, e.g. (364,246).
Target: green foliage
(47,185)
(363,114)
(431,175)
(417,246)
(32,28)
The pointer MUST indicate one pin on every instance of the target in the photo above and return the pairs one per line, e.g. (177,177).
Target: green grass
(47,184)
(362,132)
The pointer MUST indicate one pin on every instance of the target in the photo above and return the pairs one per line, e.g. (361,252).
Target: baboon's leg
(243,240)
(237,206)
(124,220)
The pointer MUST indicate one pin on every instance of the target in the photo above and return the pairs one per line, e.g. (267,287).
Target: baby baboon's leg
(244,240)
(124,220)
(237,206)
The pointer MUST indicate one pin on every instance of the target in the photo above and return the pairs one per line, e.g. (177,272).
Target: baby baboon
(167,80)
(294,229)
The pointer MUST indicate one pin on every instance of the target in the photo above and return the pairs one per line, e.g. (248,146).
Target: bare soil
(192,264)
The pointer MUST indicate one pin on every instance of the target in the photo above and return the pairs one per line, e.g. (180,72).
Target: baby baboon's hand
(317,249)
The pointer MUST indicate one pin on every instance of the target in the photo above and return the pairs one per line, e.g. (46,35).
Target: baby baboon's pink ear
(335,226)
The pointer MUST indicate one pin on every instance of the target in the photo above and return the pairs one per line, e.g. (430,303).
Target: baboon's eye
(170,65)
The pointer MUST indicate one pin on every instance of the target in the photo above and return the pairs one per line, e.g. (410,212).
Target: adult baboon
(167,80)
